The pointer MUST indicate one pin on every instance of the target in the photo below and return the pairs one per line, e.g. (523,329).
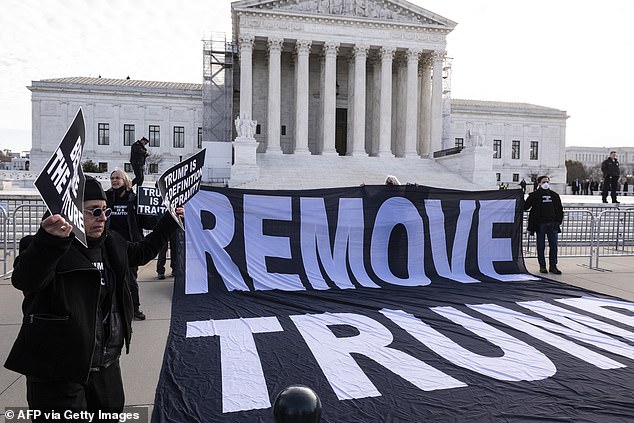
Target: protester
(523,185)
(125,221)
(611,172)
(175,246)
(576,187)
(544,219)
(77,308)
(392,180)
(585,185)
(138,153)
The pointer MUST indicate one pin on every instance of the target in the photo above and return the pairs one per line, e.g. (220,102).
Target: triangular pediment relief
(390,11)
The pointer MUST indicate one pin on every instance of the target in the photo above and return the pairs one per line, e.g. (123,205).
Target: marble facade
(348,77)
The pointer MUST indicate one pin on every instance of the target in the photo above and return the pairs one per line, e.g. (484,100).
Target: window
(154,168)
(179,137)
(200,138)
(516,177)
(258,129)
(103,133)
(497,149)
(128,134)
(515,149)
(103,166)
(283,130)
(534,150)
(459,142)
(154,133)
(498,177)
(127,167)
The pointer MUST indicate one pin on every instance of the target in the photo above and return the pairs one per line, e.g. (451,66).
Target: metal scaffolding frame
(217,88)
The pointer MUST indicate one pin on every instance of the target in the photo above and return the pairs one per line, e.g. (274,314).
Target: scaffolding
(217,88)
(217,107)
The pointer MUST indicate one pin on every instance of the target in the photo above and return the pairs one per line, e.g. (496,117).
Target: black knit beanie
(93,190)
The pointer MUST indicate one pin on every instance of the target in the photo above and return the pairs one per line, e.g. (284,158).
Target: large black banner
(394,303)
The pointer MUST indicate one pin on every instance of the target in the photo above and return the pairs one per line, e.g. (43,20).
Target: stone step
(289,171)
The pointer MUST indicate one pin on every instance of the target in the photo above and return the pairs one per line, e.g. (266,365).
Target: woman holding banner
(125,221)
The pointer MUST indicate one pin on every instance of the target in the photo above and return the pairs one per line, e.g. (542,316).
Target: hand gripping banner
(393,303)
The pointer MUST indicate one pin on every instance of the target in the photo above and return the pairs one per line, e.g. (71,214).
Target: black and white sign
(61,182)
(181,182)
(149,201)
(394,303)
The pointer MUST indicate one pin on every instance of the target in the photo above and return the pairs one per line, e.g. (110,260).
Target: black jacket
(535,205)
(610,167)
(61,295)
(136,223)
(138,152)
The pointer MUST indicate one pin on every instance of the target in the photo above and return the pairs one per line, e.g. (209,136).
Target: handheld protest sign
(149,201)
(61,182)
(181,182)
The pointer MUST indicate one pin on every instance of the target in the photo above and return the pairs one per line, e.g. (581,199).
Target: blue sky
(570,55)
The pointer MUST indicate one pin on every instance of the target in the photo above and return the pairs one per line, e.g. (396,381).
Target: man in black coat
(611,173)
(138,153)
(544,219)
(77,308)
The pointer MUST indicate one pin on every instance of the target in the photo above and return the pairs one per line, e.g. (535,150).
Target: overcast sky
(571,55)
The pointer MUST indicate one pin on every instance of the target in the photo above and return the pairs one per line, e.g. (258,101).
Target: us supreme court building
(360,79)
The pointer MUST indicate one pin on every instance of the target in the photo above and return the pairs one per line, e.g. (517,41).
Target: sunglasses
(96,212)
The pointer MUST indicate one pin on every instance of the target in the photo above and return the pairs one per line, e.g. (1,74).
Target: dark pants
(138,174)
(103,391)
(609,184)
(134,287)
(550,231)
(176,246)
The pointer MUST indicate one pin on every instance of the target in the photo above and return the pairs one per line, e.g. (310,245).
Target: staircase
(290,171)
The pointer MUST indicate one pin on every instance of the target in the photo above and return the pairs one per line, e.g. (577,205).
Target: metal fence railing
(614,235)
(26,220)
(575,239)
(4,232)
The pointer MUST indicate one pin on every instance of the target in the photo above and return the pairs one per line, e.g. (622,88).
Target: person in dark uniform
(611,173)
(138,153)
(544,219)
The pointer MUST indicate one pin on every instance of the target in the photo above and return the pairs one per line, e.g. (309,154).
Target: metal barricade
(4,233)
(26,221)
(575,239)
(614,235)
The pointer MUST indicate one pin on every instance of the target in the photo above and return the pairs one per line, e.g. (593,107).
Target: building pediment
(394,11)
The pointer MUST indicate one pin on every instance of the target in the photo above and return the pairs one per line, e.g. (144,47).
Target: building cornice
(341,20)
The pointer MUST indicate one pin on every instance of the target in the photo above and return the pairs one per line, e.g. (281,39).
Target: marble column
(274,96)
(350,114)
(411,103)
(301,94)
(425,104)
(329,107)
(385,107)
(376,101)
(245,43)
(360,52)
(436,103)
